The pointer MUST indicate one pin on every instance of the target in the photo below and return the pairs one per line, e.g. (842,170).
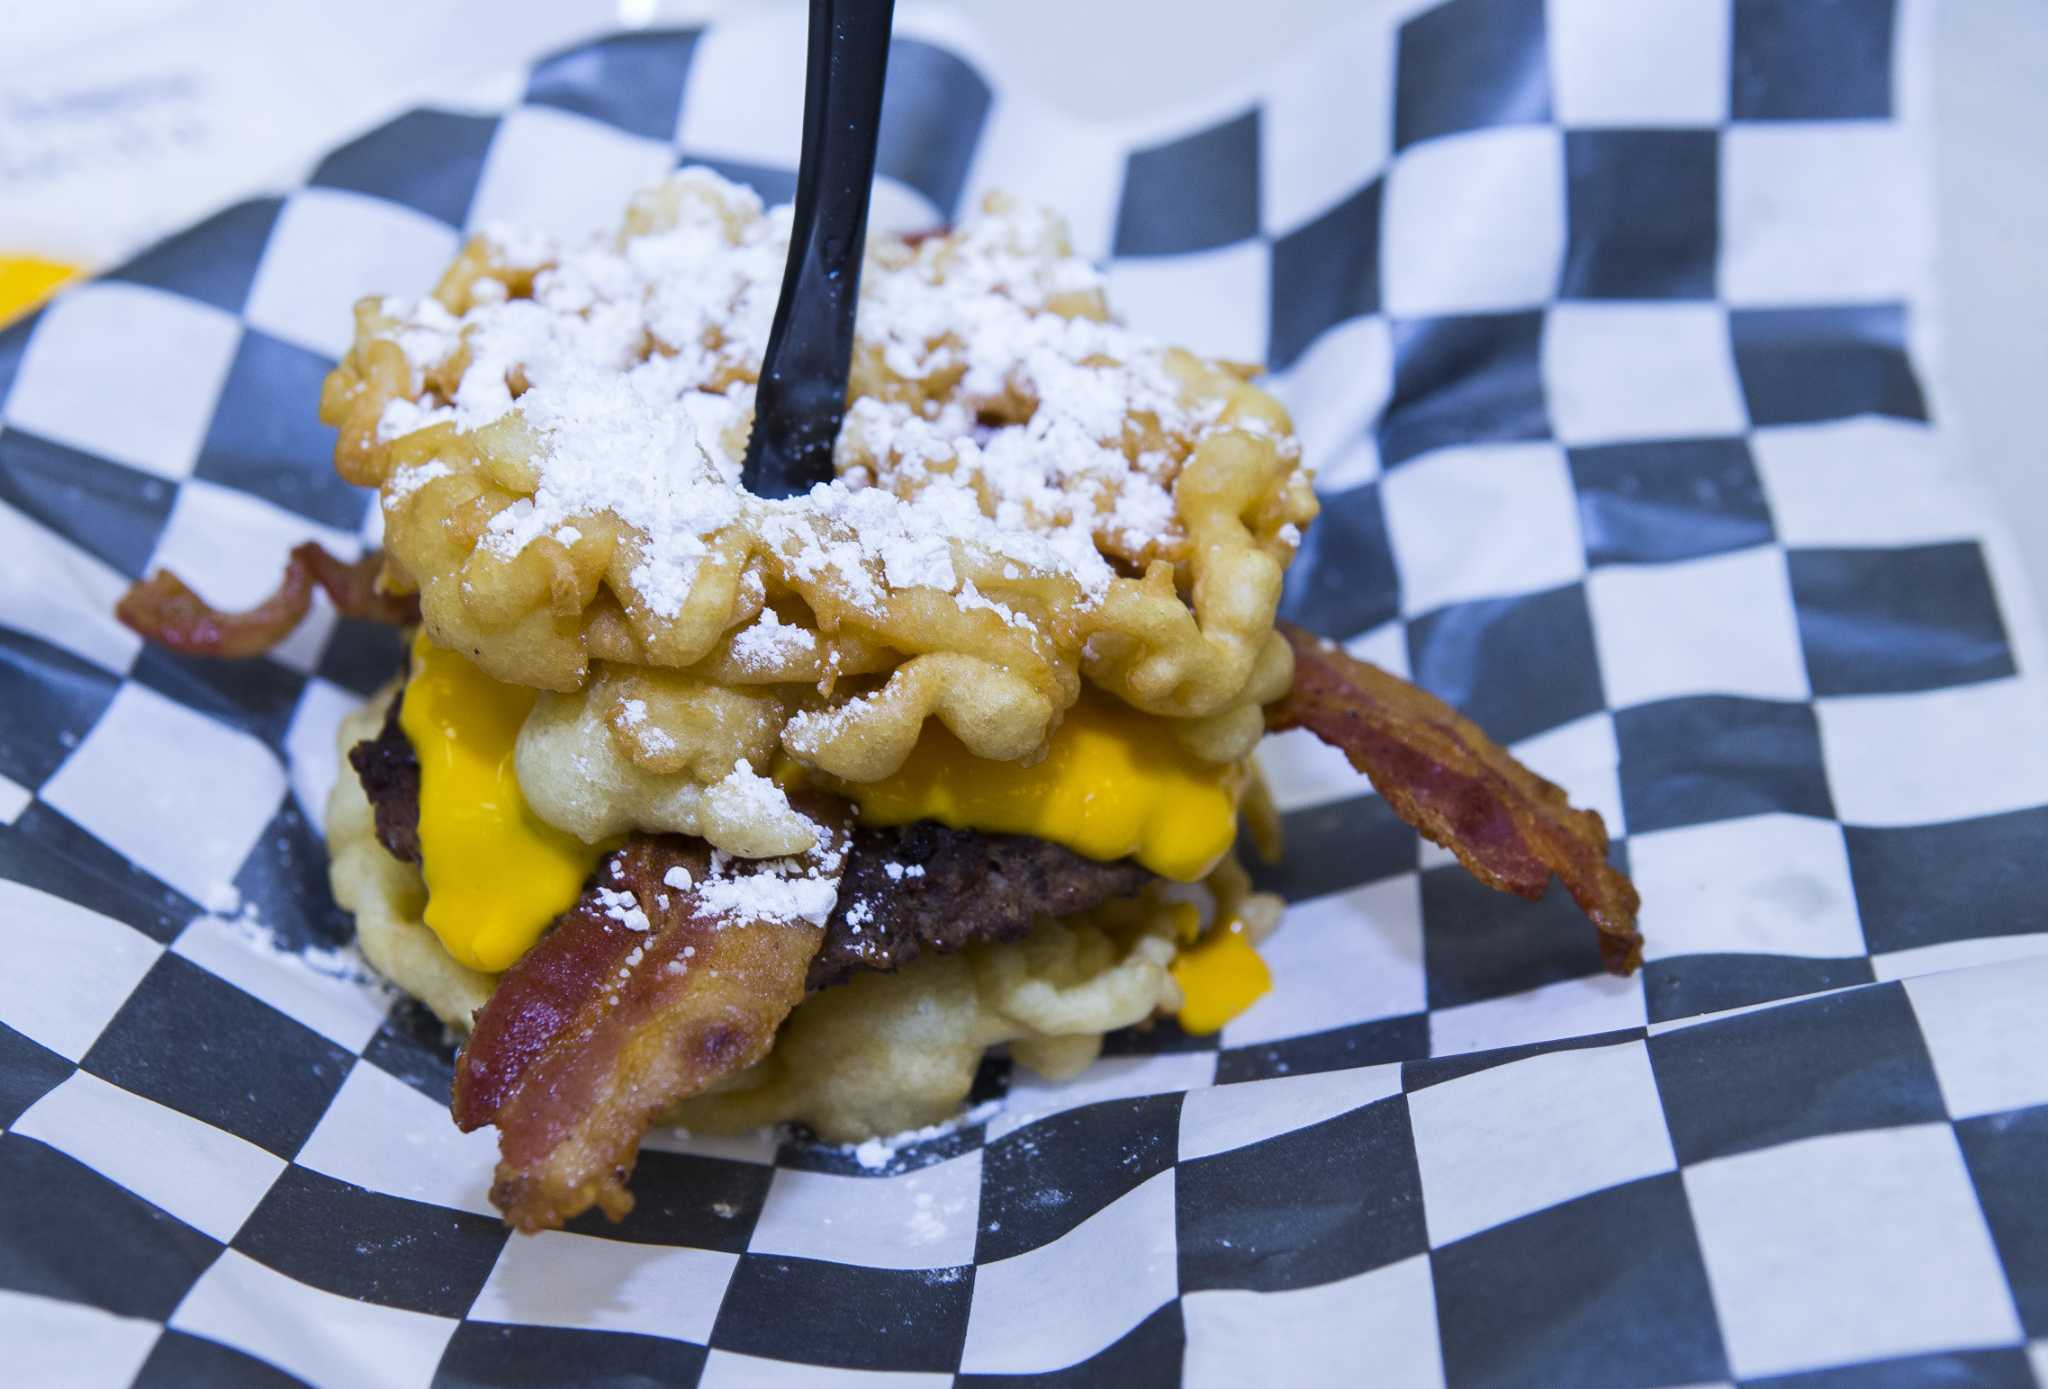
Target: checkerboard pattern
(1603,321)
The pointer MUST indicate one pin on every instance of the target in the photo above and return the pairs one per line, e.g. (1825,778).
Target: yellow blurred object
(1219,978)
(496,874)
(26,281)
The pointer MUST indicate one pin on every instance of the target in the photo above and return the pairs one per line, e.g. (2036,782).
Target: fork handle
(802,396)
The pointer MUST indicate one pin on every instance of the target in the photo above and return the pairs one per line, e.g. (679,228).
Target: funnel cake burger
(698,807)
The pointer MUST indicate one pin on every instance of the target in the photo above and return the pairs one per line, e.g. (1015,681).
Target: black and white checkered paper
(1606,324)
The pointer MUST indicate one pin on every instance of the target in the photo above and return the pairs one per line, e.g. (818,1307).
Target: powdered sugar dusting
(769,641)
(626,378)
(624,908)
(406,481)
(749,795)
(650,737)
(879,1154)
(241,921)
(787,890)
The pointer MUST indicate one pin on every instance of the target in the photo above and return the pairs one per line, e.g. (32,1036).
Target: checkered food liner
(1604,322)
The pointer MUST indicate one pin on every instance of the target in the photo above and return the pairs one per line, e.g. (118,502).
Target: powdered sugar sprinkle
(927,495)
(624,908)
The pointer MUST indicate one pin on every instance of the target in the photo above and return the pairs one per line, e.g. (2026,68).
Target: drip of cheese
(496,873)
(1114,784)
(1219,978)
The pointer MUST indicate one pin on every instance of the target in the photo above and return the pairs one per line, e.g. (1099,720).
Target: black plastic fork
(802,395)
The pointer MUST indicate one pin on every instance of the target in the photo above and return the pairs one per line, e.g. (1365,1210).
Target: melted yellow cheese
(1115,784)
(496,873)
(1219,978)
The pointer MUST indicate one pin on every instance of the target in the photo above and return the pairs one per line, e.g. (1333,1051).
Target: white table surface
(291,76)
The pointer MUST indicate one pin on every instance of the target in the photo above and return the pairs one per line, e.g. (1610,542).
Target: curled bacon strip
(600,1027)
(163,609)
(1509,827)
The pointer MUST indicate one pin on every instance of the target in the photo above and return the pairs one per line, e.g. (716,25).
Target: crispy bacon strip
(1509,827)
(165,610)
(600,1027)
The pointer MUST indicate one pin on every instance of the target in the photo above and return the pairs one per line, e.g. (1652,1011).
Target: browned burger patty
(951,888)
(903,890)
(390,772)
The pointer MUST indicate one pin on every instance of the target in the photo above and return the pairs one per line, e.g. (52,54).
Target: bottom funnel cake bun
(876,1055)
